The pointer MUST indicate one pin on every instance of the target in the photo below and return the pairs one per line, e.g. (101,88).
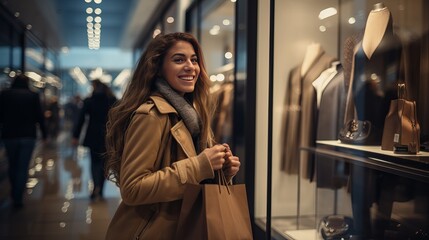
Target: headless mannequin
(376,71)
(374,85)
(312,52)
(375,28)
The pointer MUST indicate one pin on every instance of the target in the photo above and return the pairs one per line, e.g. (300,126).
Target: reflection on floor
(57,204)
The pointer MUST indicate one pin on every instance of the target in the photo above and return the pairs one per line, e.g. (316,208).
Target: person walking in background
(20,114)
(95,108)
(159,138)
(71,112)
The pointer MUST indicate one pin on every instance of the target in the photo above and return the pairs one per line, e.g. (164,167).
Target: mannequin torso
(312,52)
(376,27)
(376,71)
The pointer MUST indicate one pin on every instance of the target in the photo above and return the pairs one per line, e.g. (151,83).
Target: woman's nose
(189,65)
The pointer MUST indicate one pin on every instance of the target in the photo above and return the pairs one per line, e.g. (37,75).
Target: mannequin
(312,52)
(376,71)
(375,74)
(376,26)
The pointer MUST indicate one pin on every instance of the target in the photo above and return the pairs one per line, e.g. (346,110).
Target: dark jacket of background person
(21,112)
(96,108)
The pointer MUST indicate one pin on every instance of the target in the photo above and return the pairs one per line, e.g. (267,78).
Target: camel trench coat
(152,180)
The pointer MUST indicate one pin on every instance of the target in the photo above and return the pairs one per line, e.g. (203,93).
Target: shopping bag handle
(222,181)
(402,91)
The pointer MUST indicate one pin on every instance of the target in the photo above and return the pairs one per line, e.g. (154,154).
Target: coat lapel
(179,130)
(184,138)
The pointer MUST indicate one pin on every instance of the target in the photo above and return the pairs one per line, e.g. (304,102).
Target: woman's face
(181,68)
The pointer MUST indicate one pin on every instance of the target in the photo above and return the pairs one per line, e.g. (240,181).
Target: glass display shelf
(415,166)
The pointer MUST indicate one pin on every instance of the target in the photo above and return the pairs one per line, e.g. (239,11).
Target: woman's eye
(194,60)
(179,60)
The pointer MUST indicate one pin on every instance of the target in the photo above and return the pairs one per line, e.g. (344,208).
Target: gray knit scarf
(186,110)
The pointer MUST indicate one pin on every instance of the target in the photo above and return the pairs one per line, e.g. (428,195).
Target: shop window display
(337,65)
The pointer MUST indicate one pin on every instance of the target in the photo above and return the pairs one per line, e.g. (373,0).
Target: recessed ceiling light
(97,11)
(328,12)
(170,19)
(89,10)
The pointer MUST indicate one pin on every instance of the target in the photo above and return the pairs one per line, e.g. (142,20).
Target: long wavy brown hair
(141,87)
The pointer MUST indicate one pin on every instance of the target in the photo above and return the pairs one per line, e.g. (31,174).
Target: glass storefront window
(217,41)
(170,20)
(336,68)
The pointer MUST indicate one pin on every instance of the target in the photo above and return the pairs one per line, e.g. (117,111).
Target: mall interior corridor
(57,203)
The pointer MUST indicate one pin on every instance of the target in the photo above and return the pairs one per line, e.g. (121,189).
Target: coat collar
(162,105)
(179,131)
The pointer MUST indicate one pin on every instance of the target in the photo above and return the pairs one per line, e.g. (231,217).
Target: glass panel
(170,19)
(5,52)
(217,41)
(334,62)
(34,56)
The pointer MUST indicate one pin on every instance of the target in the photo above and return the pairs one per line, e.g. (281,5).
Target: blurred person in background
(95,108)
(20,114)
(71,112)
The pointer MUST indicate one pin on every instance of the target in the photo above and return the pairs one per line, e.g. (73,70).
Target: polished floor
(57,203)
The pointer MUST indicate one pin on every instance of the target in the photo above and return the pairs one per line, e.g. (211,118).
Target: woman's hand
(216,156)
(232,163)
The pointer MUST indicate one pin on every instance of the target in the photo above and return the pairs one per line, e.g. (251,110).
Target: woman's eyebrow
(182,55)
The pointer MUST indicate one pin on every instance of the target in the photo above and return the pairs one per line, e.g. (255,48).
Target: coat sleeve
(140,181)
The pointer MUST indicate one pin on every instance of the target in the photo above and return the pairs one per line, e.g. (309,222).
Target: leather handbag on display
(359,132)
(214,211)
(401,132)
(336,227)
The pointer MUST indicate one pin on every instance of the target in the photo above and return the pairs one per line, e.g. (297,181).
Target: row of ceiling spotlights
(93,25)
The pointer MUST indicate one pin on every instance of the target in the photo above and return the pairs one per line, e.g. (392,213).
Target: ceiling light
(89,10)
(98,1)
(170,19)
(226,22)
(87,1)
(156,32)
(97,19)
(214,30)
(89,19)
(352,20)
(36,77)
(78,75)
(228,55)
(122,77)
(97,11)
(220,77)
(328,12)
(64,49)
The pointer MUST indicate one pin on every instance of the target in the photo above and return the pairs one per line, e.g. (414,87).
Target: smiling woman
(159,139)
